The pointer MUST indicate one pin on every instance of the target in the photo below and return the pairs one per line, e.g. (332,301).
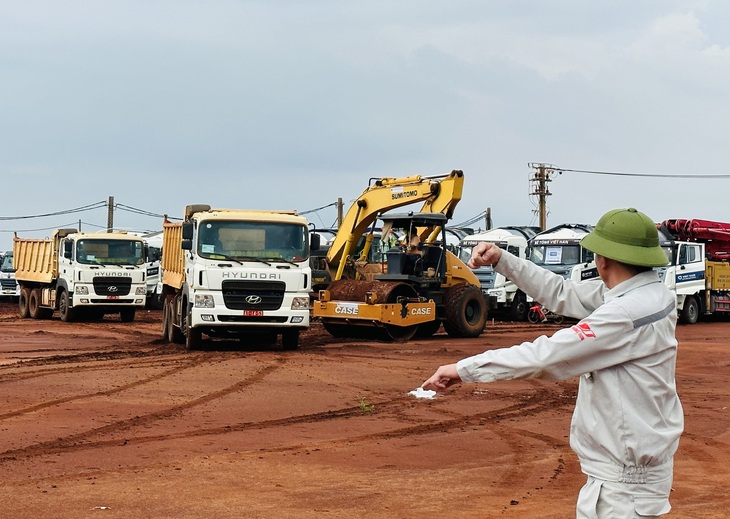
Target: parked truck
(9,287)
(698,270)
(82,275)
(236,274)
(501,293)
(558,249)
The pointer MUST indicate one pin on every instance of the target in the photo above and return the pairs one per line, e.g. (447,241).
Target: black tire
(533,316)
(127,315)
(519,308)
(691,311)
(34,304)
(193,336)
(23,302)
(165,319)
(64,308)
(559,319)
(465,314)
(174,333)
(290,340)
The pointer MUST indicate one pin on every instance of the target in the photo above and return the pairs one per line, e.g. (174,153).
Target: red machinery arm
(715,235)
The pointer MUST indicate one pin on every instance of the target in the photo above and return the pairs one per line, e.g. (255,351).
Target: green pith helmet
(628,236)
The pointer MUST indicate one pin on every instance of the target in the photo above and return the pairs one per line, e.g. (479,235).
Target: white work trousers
(600,499)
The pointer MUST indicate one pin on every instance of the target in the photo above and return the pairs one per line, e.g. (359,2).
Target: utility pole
(540,179)
(488,219)
(339,212)
(110,215)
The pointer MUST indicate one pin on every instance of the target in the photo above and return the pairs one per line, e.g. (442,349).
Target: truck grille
(253,295)
(7,284)
(112,286)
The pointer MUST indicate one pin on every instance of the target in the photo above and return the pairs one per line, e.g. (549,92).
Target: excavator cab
(416,260)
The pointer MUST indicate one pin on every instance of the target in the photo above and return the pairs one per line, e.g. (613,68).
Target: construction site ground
(104,419)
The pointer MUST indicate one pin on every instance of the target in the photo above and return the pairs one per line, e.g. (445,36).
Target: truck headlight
(82,290)
(141,291)
(204,301)
(300,303)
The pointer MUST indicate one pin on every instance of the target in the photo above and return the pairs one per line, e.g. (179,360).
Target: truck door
(690,276)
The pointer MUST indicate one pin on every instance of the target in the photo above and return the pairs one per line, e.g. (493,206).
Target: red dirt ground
(105,420)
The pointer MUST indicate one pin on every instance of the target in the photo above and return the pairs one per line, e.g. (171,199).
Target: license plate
(112,297)
(253,313)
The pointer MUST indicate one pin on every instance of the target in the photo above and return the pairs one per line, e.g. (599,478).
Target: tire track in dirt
(50,403)
(80,440)
(541,401)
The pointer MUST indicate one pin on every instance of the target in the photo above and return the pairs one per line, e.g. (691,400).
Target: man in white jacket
(628,418)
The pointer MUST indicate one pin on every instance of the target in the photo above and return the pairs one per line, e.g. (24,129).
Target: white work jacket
(628,418)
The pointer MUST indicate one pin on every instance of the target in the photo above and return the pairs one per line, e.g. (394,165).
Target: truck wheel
(34,304)
(64,308)
(23,302)
(193,336)
(174,334)
(165,319)
(465,311)
(290,340)
(691,311)
(126,315)
(519,306)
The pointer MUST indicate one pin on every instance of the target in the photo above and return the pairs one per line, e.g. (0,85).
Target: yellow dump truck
(82,275)
(235,273)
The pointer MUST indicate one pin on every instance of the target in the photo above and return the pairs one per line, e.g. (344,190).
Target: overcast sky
(276,104)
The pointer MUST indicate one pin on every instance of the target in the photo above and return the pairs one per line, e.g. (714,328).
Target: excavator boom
(440,193)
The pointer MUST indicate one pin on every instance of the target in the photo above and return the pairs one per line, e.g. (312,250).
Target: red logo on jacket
(584,331)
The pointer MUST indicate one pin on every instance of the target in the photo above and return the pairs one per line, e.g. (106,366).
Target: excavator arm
(440,193)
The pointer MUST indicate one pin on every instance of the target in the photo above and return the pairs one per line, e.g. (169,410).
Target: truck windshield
(558,255)
(101,251)
(268,241)
(7,264)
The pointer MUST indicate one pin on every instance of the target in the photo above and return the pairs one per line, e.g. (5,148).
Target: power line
(653,175)
(95,205)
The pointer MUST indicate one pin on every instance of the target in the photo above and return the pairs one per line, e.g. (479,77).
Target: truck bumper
(221,317)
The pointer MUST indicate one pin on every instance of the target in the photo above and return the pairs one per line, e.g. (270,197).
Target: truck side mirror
(187,244)
(314,242)
(187,231)
(67,249)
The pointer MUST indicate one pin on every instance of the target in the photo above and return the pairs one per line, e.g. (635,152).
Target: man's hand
(444,377)
(484,254)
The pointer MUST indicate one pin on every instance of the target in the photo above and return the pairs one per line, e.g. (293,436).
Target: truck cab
(8,285)
(558,249)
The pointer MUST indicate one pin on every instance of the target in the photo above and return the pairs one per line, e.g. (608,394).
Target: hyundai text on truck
(82,275)
(698,270)
(236,274)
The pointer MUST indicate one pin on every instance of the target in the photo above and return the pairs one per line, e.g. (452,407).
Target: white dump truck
(501,293)
(236,273)
(82,275)
(9,287)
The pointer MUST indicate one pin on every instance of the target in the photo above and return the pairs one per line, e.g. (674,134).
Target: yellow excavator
(421,286)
